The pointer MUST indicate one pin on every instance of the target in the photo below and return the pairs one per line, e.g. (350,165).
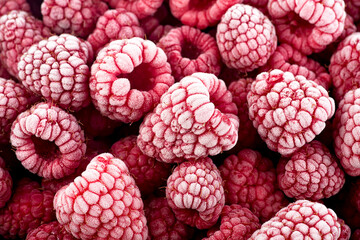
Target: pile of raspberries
(173,119)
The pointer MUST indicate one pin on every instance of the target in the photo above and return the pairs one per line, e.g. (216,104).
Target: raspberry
(128,77)
(246,38)
(56,68)
(308,25)
(6,184)
(154,31)
(198,13)
(344,66)
(352,8)
(310,173)
(148,173)
(189,50)
(195,193)
(48,141)
(75,17)
(28,208)
(49,231)
(18,31)
(102,203)
(287,58)
(259,4)
(9,5)
(250,181)
(195,118)
(288,111)
(14,99)
(346,131)
(162,221)
(115,24)
(141,8)
(345,230)
(302,219)
(237,222)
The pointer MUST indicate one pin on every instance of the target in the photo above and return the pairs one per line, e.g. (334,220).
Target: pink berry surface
(141,8)
(9,5)
(49,231)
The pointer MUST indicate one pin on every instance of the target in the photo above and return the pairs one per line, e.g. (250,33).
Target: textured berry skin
(128,78)
(14,99)
(9,5)
(345,65)
(141,8)
(302,219)
(6,184)
(115,24)
(149,174)
(28,208)
(50,231)
(307,25)
(18,31)
(198,13)
(153,29)
(345,230)
(237,222)
(346,132)
(310,173)
(195,193)
(56,68)
(75,17)
(189,50)
(250,181)
(48,141)
(163,225)
(288,59)
(195,118)
(245,37)
(103,203)
(288,111)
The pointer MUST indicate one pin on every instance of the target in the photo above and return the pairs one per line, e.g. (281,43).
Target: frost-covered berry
(195,118)
(103,203)
(49,231)
(6,184)
(246,38)
(48,141)
(345,230)
(9,5)
(128,78)
(141,8)
(195,193)
(288,111)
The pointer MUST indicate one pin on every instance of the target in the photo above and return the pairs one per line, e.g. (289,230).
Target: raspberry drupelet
(288,111)
(6,184)
(141,8)
(75,17)
(245,37)
(307,25)
(302,219)
(56,68)
(128,78)
(9,5)
(195,118)
(48,141)
(49,231)
(103,203)
(310,173)
(195,193)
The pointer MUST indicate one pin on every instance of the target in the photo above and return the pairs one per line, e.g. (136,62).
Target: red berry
(141,8)
(50,231)
(6,184)
(9,5)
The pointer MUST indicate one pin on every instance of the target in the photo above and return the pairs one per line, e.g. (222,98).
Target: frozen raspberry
(149,174)
(346,131)
(9,5)
(237,222)
(56,68)
(115,24)
(250,181)
(195,118)
(48,141)
(287,58)
(189,50)
(18,31)
(308,25)
(310,173)
(345,65)
(195,193)
(302,219)
(75,17)
(153,29)
(246,38)
(14,99)
(50,231)
(288,111)
(141,8)
(345,230)
(103,203)
(6,184)
(128,78)
(198,13)
(28,208)
(163,225)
